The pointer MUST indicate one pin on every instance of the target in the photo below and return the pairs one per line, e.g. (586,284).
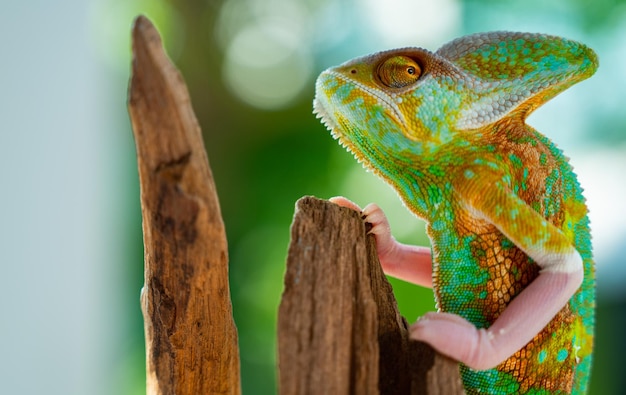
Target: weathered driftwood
(339,329)
(191,340)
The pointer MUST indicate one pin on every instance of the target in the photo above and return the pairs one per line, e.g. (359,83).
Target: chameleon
(510,260)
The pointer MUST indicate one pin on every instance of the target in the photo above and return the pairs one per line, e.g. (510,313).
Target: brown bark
(191,339)
(339,329)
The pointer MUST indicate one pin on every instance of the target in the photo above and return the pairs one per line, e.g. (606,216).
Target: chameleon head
(395,101)
(406,104)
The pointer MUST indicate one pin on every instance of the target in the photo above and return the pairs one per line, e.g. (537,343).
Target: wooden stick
(191,339)
(339,329)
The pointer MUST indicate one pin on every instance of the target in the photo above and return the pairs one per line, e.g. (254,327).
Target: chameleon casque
(510,262)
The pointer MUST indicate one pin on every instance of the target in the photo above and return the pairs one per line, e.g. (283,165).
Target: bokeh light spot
(414,22)
(266,66)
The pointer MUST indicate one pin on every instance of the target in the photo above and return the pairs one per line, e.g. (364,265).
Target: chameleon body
(512,268)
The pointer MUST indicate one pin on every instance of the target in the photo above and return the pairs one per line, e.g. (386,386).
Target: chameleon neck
(416,178)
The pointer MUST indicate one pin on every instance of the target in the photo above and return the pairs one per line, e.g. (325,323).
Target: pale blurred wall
(57,249)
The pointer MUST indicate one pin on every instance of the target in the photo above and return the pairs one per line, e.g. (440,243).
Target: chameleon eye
(399,71)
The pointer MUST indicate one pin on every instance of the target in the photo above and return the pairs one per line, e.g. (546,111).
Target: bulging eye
(399,71)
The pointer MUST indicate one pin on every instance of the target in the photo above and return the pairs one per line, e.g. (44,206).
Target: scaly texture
(503,206)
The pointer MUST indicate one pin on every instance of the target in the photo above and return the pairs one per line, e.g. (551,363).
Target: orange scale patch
(508,269)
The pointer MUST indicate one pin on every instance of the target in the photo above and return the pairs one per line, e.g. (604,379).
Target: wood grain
(339,328)
(191,338)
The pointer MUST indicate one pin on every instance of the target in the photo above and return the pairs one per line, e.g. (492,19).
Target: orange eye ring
(399,71)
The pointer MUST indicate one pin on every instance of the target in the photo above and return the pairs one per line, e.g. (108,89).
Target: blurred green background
(71,254)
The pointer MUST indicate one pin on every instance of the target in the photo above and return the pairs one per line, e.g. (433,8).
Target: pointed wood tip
(144,33)
(141,25)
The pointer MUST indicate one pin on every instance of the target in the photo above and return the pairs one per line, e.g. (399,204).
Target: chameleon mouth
(337,109)
(330,123)
(323,115)
(389,101)
(325,102)
(322,108)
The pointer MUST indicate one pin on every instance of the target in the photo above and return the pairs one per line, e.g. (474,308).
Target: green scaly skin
(504,209)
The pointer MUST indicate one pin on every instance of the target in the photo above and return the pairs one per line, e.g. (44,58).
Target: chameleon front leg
(530,311)
(406,262)
(523,318)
